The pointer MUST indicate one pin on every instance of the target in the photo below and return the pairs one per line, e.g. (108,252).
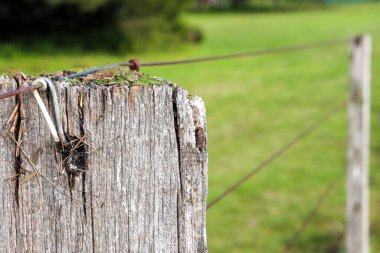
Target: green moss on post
(118,77)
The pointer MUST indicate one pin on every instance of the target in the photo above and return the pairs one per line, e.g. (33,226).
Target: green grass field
(254,105)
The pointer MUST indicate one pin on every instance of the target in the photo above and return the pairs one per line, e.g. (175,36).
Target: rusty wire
(135,64)
(279,152)
(252,53)
(19,91)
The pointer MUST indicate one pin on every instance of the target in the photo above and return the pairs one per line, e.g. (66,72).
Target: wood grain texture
(357,237)
(191,127)
(143,187)
(7,164)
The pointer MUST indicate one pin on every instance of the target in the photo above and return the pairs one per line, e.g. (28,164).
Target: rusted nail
(20,91)
(134,65)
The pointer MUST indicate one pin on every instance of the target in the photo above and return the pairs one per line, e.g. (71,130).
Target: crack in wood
(82,150)
(179,194)
(18,134)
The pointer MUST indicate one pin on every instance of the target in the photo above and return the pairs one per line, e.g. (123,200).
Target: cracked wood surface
(7,164)
(144,186)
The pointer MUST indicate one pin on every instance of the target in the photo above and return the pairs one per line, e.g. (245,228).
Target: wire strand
(19,91)
(219,57)
(251,53)
(300,136)
(136,64)
(313,212)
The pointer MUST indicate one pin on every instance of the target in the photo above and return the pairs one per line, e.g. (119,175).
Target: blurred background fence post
(358,146)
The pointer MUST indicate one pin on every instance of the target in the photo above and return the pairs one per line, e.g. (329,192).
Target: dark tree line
(239,4)
(109,24)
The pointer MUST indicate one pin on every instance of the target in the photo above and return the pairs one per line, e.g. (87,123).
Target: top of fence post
(134,168)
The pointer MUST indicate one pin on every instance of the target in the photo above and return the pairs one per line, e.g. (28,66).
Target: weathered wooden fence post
(135,168)
(358,146)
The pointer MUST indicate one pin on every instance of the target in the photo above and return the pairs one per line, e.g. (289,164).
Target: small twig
(35,161)
(47,179)
(13,113)
(26,179)
(84,140)
(81,100)
(19,138)
(14,124)
(20,81)
(34,169)
(12,177)
(80,142)
(22,171)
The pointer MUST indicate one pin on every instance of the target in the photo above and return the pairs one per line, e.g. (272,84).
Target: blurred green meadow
(254,105)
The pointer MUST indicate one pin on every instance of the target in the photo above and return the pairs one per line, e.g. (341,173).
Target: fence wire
(136,64)
(331,187)
(300,136)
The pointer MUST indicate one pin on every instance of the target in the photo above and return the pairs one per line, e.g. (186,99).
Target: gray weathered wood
(7,164)
(144,187)
(358,146)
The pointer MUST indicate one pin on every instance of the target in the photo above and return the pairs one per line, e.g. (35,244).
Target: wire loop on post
(44,111)
(57,110)
(44,84)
